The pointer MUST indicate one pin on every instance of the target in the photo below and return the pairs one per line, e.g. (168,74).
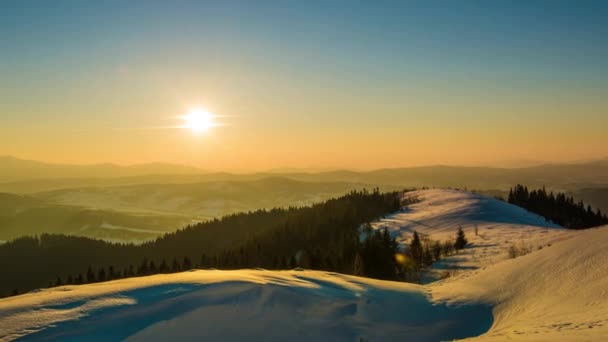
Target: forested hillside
(322,236)
(558,208)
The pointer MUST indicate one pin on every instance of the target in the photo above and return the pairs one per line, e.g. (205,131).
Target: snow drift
(238,305)
(559,293)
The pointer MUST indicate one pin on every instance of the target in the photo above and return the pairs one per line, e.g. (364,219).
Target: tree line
(557,207)
(377,256)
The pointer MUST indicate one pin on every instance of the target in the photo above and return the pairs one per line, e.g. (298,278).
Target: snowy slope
(557,292)
(236,306)
(500,225)
(440,212)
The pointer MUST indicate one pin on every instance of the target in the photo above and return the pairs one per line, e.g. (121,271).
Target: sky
(304,84)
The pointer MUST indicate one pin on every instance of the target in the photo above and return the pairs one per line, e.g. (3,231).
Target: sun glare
(198,120)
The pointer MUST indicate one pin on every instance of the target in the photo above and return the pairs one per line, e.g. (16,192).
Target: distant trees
(558,208)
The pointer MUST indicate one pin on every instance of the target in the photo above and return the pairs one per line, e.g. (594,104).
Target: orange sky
(298,86)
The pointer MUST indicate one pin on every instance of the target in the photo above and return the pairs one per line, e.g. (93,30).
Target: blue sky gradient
(311,68)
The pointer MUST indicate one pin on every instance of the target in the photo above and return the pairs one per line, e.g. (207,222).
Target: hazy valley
(153,200)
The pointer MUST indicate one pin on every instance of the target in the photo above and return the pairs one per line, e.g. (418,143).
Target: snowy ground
(236,305)
(440,212)
(557,293)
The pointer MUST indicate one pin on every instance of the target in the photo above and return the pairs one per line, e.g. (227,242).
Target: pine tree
(144,268)
(101,275)
(90,275)
(153,269)
(163,268)
(203,261)
(461,240)
(187,264)
(175,266)
(436,250)
(358,268)
(416,249)
(292,262)
(427,256)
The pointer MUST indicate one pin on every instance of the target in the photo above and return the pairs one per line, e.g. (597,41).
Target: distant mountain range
(167,193)
(14,170)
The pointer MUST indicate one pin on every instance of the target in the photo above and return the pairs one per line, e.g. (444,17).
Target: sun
(198,120)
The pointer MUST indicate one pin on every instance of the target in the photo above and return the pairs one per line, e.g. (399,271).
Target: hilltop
(500,226)
(556,291)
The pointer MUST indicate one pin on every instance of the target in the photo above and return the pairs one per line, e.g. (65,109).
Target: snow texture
(236,305)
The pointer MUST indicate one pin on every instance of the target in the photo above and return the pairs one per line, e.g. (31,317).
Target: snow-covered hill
(238,305)
(559,291)
(500,226)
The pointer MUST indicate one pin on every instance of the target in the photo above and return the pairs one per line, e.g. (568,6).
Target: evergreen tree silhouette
(415,249)
(90,275)
(461,240)
(187,264)
(101,275)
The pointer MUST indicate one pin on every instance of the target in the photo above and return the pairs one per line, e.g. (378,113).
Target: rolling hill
(202,200)
(500,226)
(143,212)
(555,292)
(22,215)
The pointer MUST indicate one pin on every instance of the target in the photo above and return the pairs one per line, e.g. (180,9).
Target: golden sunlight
(198,120)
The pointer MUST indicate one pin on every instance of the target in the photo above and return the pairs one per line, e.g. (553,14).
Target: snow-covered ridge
(440,212)
(557,292)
